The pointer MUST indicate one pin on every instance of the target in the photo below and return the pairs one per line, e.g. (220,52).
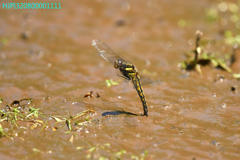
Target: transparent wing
(107,53)
(146,80)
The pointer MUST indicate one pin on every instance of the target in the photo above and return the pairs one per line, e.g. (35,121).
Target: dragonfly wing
(107,53)
(145,80)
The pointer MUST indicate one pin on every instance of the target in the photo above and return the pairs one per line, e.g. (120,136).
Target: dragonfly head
(118,63)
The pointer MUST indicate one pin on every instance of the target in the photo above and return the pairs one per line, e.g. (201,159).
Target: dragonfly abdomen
(137,84)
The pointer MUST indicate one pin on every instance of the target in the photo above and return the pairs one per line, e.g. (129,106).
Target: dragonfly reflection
(127,69)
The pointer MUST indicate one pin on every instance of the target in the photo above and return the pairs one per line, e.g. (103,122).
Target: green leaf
(118,154)
(198,69)
(92,149)
(88,156)
(134,157)
(69,131)
(107,144)
(34,125)
(4,41)
(236,75)
(113,83)
(56,119)
(87,118)
(182,23)
(222,64)
(183,65)
(206,56)
(214,62)
(78,148)
(228,34)
(110,82)
(36,150)
(29,115)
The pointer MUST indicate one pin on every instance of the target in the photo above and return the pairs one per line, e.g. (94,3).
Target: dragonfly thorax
(125,66)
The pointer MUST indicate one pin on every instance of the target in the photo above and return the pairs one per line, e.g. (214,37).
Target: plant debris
(90,94)
(22,111)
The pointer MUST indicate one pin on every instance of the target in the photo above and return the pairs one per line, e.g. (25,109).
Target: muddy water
(47,55)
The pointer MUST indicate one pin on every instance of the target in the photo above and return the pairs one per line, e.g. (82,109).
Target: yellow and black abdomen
(138,86)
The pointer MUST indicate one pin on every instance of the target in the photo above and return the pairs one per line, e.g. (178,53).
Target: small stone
(223,105)
(214,95)
(220,78)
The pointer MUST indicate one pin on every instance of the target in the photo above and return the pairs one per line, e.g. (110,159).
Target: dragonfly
(126,68)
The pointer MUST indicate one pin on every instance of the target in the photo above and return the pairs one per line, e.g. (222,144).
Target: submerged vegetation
(201,58)
(216,15)
(22,115)
(18,113)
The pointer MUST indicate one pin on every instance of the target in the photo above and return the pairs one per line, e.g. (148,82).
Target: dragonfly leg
(124,77)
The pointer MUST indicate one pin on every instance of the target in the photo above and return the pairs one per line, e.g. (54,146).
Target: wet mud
(61,100)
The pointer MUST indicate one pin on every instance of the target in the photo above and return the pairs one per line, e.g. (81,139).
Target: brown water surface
(48,55)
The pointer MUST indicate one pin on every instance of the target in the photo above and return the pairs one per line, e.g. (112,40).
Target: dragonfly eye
(118,64)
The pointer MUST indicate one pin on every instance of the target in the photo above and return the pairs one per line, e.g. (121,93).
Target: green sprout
(141,157)
(110,82)
(95,148)
(74,120)
(119,154)
(230,39)
(4,41)
(2,133)
(212,15)
(182,23)
(236,76)
(34,113)
(18,111)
